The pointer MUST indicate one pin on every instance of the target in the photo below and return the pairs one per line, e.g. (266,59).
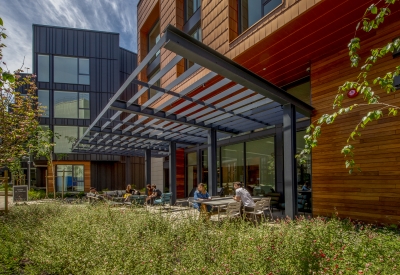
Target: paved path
(2,201)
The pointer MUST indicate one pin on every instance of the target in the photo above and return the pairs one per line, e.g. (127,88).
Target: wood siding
(372,195)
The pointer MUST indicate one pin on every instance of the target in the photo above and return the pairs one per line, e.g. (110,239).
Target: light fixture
(264,69)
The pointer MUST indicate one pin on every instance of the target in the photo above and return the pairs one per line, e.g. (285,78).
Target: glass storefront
(304,184)
(260,166)
(73,176)
(232,166)
(191,166)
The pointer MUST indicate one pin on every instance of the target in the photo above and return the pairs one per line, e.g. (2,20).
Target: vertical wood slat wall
(372,195)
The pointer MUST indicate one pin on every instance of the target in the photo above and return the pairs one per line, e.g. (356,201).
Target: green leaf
(9,77)
(1,22)
(374,10)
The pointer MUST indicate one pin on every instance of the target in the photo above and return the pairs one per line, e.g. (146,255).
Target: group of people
(242,195)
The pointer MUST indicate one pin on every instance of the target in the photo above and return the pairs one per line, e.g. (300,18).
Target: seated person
(305,187)
(155,194)
(242,195)
(201,195)
(94,194)
(149,190)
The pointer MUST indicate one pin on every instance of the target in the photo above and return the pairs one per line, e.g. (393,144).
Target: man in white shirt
(244,196)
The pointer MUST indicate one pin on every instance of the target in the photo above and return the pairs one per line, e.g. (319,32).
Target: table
(219,202)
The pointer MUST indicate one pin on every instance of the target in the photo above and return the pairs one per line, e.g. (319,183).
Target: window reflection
(44,100)
(197,35)
(67,135)
(232,166)
(191,6)
(43,68)
(154,37)
(71,70)
(191,171)
(253,10)
(73,176)
(260,166)
(71,105)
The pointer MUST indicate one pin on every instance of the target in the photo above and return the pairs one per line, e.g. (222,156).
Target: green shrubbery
(81,239)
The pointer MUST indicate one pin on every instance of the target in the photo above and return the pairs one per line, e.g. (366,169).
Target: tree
(373,17)
(19,113)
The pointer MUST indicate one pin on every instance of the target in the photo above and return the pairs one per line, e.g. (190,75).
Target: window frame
(148,39)
(73,177)
(185,10)
(197,28)
(263,3)
(77,69)
(77,103)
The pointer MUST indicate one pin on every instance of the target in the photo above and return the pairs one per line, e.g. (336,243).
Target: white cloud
(104,15)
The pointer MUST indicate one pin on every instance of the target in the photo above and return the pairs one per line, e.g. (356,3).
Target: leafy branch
(372,18)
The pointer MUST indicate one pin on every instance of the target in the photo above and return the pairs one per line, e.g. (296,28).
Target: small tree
(372,18)
(19,113)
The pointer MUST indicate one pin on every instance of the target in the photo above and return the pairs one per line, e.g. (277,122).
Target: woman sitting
(128,192)
(202,195)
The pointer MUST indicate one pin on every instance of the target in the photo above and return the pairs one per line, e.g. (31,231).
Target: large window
(44,101)
(191,171)
(67,135)
(71,70)
(232,166)
(196,33)
(154,37)
(73,176)
(250,11)
(260,166)
(191,6)
(43,68)
(71,105)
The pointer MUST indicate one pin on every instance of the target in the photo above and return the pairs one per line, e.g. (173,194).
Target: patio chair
(267,206)
(233,209)
(258,209)
(164,199)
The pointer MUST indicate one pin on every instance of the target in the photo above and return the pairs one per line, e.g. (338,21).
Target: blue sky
(105,15)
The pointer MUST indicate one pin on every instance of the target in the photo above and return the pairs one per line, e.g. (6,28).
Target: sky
(103,15)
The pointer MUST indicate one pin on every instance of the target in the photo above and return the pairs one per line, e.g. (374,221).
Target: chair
(233,209)
(164,199)
(267,205)
(258,209)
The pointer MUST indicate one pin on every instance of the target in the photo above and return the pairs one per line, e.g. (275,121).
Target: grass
(81,239)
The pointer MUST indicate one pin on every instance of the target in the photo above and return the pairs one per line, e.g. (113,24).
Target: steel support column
(289,167)
(172,171)
(147,166)
(199,166)
(212,162)
(279,159)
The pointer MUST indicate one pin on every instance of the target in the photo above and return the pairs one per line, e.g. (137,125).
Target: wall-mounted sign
(352,93)
(20,193)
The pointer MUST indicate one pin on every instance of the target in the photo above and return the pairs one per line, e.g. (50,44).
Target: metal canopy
(227,99)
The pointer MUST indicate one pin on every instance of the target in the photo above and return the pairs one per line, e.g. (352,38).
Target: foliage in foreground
(59,239)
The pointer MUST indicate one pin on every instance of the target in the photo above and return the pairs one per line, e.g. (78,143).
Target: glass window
(191,6)
(73,176)
(197,35)
(191,171)
(250,11)
(71,70)
(302,92)
(65,70)
(43,68)
(154,37)
(44,101)
(71,105)
(232,166)
(67,135)
(204,166)
(260,166)
(303,170)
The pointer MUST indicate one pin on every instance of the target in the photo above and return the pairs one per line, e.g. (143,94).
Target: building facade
(78,71)
(300,46)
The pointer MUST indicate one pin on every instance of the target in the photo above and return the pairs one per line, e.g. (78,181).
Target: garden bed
(51,239)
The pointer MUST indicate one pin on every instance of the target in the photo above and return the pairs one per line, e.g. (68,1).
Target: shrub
(82,239)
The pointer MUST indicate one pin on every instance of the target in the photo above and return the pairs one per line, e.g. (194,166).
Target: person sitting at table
(242,195)
(155,194)
(305,187)
(94,194)
(201,194)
